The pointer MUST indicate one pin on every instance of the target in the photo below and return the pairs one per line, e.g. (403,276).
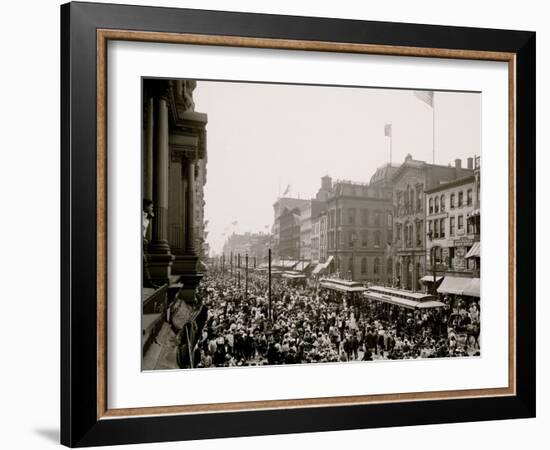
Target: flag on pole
(287,190)
(387,129)
(425,96)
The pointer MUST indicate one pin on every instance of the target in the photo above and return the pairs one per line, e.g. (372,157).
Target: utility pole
(246,278)
(269,282)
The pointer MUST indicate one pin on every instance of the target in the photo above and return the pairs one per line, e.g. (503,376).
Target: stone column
(187,262)
(190,208)
(160,259)
(148,150)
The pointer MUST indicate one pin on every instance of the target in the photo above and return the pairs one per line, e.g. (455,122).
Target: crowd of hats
(306,327)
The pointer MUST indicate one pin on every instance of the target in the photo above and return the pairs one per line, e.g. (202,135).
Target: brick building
(410,182)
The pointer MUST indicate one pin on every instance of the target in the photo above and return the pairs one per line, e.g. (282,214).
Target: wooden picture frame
(85,416)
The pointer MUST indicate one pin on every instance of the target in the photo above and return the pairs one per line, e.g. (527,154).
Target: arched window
(431,206)
(442,203)
(363,265)
(377,237)
(376,267)
(350,266)
(436,205)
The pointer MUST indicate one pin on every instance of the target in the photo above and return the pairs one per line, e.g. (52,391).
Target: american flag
(387,129)
(425,96)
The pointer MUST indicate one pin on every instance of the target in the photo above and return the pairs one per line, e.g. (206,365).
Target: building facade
(309,212)
(279,207)
(453,226)
(357,230)
(289,234)
(174,175)
(409,249)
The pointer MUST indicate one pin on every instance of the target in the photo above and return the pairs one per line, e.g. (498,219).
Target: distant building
(410,183)
(282,204)
(309,211)
(453,226)
(289,234)
(255,245)
(358,228)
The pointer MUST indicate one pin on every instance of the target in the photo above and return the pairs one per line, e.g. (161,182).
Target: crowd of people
(306,324)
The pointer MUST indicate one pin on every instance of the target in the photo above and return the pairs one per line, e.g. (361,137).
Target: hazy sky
(263,137)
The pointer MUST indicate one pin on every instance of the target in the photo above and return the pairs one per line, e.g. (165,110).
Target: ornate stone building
(410,182)
(174,175)
(358,231)
(453,226)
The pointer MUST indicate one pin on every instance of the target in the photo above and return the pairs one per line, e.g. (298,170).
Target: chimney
(470,163)
(458,168)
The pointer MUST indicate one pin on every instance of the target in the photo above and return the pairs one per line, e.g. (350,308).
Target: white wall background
(29,181)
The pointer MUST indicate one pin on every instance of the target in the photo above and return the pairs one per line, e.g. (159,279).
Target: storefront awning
(474,251)
(459,286)
(322,266)
(473,289)
(430,279)
(302,265)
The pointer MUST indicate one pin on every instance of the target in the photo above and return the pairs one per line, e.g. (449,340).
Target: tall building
(279,207)
(358,230)
(410,183)
(453,226)
(309,211)
(289,234)
(174,174)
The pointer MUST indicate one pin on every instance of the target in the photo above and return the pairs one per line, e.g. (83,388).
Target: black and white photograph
(296,224)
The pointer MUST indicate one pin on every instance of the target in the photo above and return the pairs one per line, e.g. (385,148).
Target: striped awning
(474,251)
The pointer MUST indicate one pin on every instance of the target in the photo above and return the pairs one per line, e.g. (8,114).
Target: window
(376,267)
(442,203)
(430,228)
(436,205)
(460,199)
(377,238)
(470,226)
(389,236)
(351,216)
(377,218)
(364,238)
(352,237)
(469,197)
(452,226)
(389,269)
(338,216)
(364,217)
(350,265)
(419,228)
(390,219)
(431,206)
(452,201)
(419,198)
(442,228)
(460,222)
(436,228)
(363,265)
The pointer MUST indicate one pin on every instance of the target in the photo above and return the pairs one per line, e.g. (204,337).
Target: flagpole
(391,145)
(433,127)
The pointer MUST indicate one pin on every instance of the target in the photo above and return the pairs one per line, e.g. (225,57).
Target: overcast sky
(263,137)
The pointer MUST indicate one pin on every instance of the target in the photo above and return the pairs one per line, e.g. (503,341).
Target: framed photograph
(276,224)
